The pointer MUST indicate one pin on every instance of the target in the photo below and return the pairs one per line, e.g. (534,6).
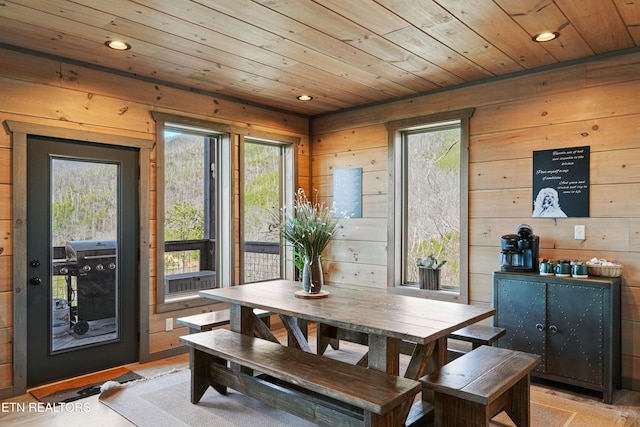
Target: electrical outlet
(579,232)
(168,324)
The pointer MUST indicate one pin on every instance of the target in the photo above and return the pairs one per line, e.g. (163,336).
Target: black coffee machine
(520,251)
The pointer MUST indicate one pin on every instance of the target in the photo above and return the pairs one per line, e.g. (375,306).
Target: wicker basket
(604,270)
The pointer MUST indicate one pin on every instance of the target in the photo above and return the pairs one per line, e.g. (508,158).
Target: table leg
(326,335)
(241,319)
(436,360)
(296,332)
(384,354)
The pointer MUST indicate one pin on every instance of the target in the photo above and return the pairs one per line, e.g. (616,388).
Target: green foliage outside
(84,201)
(261,190)
(184,189)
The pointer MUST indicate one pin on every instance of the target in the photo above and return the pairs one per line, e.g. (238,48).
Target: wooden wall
(43,91)
(594,104)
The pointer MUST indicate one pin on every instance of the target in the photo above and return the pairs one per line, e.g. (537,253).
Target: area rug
(163,401)
(81,387)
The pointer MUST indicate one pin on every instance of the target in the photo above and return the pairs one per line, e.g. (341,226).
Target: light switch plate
(168,324)
(579,232)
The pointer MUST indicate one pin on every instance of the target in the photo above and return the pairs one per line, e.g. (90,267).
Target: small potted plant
(429,272)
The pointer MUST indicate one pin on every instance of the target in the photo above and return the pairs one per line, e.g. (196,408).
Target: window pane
(262,183)
(433,202)
(184,187)
(84,282)
(188,255)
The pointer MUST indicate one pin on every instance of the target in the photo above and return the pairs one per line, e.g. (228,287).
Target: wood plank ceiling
(344,53)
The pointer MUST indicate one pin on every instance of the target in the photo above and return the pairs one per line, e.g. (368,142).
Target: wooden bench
(478,334)
(319,389)
(475,387)
(213,319)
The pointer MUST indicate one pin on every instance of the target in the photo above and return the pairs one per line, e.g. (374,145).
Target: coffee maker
(520,251)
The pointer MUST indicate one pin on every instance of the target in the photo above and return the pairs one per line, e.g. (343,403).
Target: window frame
(398,197)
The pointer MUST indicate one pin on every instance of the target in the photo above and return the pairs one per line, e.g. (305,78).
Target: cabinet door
(521,310)
(575,332)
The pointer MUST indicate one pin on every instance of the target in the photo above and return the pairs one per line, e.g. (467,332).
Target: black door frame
(19,132)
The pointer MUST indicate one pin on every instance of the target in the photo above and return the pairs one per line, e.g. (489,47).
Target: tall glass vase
(312,280)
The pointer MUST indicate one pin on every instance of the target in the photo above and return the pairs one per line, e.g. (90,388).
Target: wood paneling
(6,243)
(5,166)
(6,311)
(5,196)
(346,272)
(6,276)
(6,339)
(344,54)
(591,104)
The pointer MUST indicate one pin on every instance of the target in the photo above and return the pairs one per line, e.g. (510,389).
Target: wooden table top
(368,310)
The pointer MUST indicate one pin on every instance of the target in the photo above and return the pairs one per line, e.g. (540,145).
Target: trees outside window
(432,225)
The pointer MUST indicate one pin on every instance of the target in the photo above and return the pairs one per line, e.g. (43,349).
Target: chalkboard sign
(561,183)
(347,192)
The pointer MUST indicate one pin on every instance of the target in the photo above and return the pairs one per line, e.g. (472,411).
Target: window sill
(414,291)
(186,301)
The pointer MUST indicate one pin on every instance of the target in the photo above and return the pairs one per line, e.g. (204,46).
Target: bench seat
(207,321)
(478,385)
(320,389)
(478,334)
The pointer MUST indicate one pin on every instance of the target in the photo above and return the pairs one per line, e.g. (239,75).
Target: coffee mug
(547,268)
(563,268)
(579,270)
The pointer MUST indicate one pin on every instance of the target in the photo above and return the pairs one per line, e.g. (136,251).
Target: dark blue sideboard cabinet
(573,324)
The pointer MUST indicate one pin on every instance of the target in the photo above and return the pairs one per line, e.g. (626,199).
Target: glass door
(82,258)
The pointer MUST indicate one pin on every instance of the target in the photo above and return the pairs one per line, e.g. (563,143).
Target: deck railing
(261,261)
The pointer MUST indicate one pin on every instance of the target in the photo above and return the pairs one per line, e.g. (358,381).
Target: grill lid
(90,249)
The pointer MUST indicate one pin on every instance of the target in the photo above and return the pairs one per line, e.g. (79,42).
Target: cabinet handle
(553,329)
(540,327)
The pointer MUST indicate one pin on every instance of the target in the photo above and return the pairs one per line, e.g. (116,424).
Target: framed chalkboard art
(561,182)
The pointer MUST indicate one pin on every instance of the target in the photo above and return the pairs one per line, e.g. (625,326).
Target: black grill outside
(94,263)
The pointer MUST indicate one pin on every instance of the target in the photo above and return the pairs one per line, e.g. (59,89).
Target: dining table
(389,321)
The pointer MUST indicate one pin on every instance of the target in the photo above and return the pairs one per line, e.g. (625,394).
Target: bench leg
(391,418)
(520,409)
(454,412)
(200,362)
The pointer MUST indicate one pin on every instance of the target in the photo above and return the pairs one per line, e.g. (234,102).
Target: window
(189,215)
(267,184)
(429,166)
(193,171)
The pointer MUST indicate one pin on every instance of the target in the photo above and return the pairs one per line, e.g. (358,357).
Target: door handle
(36,280)
(553,329)
(540,327)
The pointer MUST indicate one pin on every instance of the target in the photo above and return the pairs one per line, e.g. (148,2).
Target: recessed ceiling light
(118,45)
(305,98)
(546,36)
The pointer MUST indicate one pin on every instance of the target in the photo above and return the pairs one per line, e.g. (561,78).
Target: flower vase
(312,280)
